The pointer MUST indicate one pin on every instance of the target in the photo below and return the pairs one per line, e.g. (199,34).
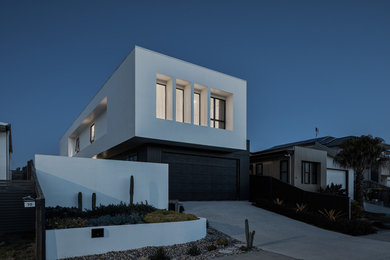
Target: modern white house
(5,151)
(155,108)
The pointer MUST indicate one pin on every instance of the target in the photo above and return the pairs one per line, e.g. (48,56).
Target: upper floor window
(259,169)
(309,172)
(284,170)
(179,104)
(92,133)
(77,145)
(197,108)
(161,100)
(217,113)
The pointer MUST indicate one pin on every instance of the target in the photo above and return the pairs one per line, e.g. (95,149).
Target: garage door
(336,177)
(193,177)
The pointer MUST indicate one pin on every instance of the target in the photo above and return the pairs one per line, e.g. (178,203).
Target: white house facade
(156,108)
(5,151)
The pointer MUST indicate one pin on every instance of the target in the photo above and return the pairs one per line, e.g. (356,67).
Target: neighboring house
(308,165)
(156,108)
(5,151)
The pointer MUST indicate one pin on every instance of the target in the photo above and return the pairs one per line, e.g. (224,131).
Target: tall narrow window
(179,105)
(197,108)
(92,133)
(259,169)
(217,113)
(77,145)
(309,172)
(161,101)
(284,171)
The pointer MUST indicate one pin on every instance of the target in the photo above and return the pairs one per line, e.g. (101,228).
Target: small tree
(361,153)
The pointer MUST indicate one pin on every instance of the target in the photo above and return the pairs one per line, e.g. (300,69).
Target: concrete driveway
(286,236)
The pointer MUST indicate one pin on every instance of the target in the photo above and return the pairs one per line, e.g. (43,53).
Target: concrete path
(286,236)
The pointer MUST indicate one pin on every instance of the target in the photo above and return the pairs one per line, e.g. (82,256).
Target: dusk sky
(308,64)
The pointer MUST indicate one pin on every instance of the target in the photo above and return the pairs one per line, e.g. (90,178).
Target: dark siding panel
(194,177)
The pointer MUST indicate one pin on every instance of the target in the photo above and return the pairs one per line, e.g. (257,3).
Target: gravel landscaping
(215,244)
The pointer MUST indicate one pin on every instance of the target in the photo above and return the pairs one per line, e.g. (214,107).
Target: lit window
(197,108)
(161,101)
(217,113)
(179,105)
(77,146)
(92,133)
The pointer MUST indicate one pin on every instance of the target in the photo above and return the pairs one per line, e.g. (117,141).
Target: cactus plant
(93,201)
(249,235)
(131,190)
(80,200)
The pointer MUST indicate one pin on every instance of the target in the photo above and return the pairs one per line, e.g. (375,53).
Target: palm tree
(361,153)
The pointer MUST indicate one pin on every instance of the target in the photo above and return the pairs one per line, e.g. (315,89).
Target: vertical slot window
(197,107)
(217,112)
(179,105)
(92,133)
(161,101)
(77,145)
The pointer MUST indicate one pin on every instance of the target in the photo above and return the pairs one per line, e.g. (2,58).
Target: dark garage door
(193,177)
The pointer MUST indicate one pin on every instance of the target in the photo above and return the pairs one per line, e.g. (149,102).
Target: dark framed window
(77,145)
(217,113)
(259,169)
(309,172)
(284,170)
(197,106)
(92,133)
(132,157)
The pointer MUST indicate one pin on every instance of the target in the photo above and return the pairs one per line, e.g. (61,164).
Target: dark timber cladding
(195,173)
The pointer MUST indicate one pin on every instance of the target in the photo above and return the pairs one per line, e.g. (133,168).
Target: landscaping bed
(327,219)
(215,244)
(122,214)
(17,246)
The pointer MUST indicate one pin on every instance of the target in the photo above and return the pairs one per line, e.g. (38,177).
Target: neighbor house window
(132,157)
(259,169)
(284,170)
(217,113)
(92,133)
(197,108)
(161,100)
(77,145)
(179,105)
(309,172)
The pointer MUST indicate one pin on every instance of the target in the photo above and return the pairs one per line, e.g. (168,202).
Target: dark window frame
(280,169)
(312,173)
(92,136)
(213,120)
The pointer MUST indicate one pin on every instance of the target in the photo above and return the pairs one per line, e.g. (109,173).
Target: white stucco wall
(62,178)
(131,106)
(61,243)
(330,164)
(148,64)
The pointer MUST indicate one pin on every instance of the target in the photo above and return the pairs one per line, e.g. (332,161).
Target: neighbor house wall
(62,178)
(309,155)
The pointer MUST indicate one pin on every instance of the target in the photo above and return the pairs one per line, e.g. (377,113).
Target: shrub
(211,247)
(159,216)
(193,251)
(121,219)
(335,189)
(160,254)
(301,207)
(222,241)
(331,215)
(278,201)
(59,223)
(357,211)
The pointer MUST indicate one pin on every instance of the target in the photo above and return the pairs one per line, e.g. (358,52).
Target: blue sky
(308,64)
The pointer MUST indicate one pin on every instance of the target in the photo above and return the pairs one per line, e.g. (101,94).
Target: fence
(266,187)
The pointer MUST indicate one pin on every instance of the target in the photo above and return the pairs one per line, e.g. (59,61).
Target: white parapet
(62,243)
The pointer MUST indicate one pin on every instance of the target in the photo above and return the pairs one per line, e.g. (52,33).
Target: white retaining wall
(62,178)
(61,243)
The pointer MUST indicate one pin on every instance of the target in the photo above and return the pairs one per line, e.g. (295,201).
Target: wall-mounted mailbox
(97,232)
